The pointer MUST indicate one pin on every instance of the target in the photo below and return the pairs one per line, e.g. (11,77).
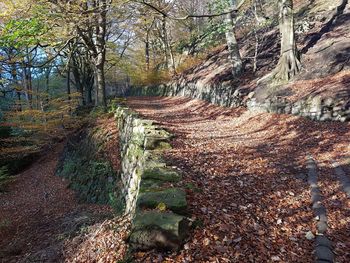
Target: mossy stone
(150,185)
(173,198)
(164,174)
(159,230)
(156,143)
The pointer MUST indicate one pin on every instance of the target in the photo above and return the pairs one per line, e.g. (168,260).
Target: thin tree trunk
(89,95)
(47,85)
(68,83)
(28,76)
(37,93)
(15,81)
(25,84)
(255,60)
(235,56)
(172,59)
(69,88)
(30,85)
(147,52)
(257,22)
(165,41)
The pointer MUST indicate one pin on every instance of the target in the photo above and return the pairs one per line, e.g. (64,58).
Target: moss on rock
(162,174)
(173,198)
(158,230)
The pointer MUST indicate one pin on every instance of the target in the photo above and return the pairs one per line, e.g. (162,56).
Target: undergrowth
(4,178)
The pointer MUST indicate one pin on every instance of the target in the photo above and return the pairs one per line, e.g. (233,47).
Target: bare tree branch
(165,14)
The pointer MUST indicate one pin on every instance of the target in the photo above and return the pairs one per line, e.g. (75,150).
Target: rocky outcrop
(157,207)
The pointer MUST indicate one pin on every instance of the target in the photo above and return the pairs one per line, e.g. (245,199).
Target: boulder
(158,230)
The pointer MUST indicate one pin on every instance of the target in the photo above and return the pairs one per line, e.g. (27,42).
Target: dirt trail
(246,180)
(38,212)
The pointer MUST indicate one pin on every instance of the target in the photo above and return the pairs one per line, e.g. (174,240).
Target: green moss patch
(162,174)
(173,198)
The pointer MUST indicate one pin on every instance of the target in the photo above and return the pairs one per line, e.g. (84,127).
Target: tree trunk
(101,85)
(37,93)
(289,64)
(68,83)
(28,79)
(26,85)
(47,96)
(232,44)
(147,52)
(88,83)
(172,59)
(100,59)
(69,89)
(15,81)
(165,41)
(78,82)
(89,95)
(30,85)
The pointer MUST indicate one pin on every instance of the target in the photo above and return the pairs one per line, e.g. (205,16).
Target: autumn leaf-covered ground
(41,219)
(246,179)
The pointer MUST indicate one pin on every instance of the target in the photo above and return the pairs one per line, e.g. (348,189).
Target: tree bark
(289,64)
(68,83)
(165,42)
(47,85)
(89,95)
(147,53)
(101,85)
(94,38)
(26,87)
(235,56)
(15,81)
(100,58)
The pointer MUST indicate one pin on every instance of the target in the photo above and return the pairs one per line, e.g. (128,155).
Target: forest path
(246,179)
(38,212)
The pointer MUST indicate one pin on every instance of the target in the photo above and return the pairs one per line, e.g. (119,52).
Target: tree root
(288,66)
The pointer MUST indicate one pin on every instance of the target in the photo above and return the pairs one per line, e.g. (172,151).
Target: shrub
(5,131)
(4,178)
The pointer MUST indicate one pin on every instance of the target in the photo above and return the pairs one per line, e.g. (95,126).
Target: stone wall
(220,94)
(313,107)
(157,207)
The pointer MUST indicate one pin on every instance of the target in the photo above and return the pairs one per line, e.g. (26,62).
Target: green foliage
(69,168)
(92,180)
(211,34)
(18,33)
(4,223)
(90,175)
(117,202)
(5,131)
(97,112)
(4,177)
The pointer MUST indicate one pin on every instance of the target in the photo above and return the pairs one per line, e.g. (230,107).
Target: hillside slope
(323,33)
(320,91)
